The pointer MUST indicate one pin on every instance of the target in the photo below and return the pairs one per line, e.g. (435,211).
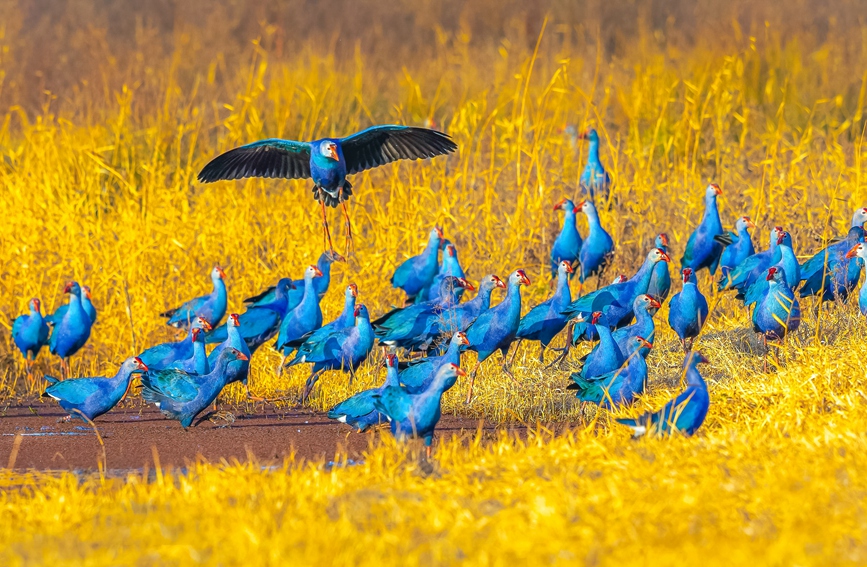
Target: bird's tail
(51,379)
(258,296)
(638,426)
(169,314)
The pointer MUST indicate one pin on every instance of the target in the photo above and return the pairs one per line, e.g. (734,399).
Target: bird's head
(139,365)
(658,255)
(332,256)
(589,134)
(234,320)
(35,305)
(436,233)
(391,360)
(696,357)
(86,291)
(773,274)
(775,232)
(621,278)
(202,324)
(237,354)
(641,342)
(352,290)
(451,251)
(649,302)
(687,275)
(283,286)
(461,282)
(781,237)
(661,240)
(329,149)
(498,282)
(566,267)
(584,206)
(197,334)
(519,277)
(565,204)
(313,272)
(457,370)
(860,217)
(713,190)
(858,250)
(595,317)
(745,222)
(360,312)
(461,338)
(73,288)
(218,273)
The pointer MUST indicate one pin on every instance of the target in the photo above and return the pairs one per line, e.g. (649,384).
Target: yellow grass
(107,114)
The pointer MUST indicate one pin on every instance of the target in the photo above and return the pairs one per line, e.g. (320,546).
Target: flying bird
(328,161)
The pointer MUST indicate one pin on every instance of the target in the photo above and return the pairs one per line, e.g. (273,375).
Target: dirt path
(131,436)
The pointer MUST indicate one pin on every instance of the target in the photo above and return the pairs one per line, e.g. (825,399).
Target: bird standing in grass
(237,370)
(418,374)
(778,313)
(163,355)
(684,414)
(416,415)
(304,318)
(92,397)
(702,250)
(618,387)
(342,349)
(71,331)
(182,396)
(198,362)
(605,357)
(688,310)
(660,281)
(417,273)
(597,250)
(450,267)
(595,181)
(545,321)
(830,273)
(860,251)
(328,161)
(295,289)
(567,246)
(644,308)
(344,320)
(260,323)
(496,329)
(752,267)
(359,410)
(86,304)
(461,316)
(209,307)
(30,334)
(787,262)
(738,246)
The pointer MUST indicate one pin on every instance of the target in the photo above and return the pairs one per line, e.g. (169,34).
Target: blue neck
(593,153)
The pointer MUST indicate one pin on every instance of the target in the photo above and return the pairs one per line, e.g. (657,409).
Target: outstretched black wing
(380,145)
(276,158)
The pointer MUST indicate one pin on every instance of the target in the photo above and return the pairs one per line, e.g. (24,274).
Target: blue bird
(616,300)
(71,331)
(209,307)
(660,281)
(496,329)
(295,289)
(344,320)
(687,311)
(182,396)
(778,313)
(644,307)
(567,246)
(343,349)
(198,362)
(752,267)
(787,262)
(450,267)
(597,250)
(595,181)
(416,415)
(738,246)
(161,356)
(618,387)
(260,323)
(684,414)
(359,411)
(305,317)
(460,317)
(545,321)
(328,161)
(418,374)
(416,327)
(86,304)
(30,334)
(92,397)
(860,251)
(830,273)
(702,250)
(604,358)
(417,273)
(237,370)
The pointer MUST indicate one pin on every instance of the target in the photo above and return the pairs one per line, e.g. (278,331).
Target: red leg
(348,227)
(325,222)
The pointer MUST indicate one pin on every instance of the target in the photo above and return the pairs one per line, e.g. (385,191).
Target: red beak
(220,271)
(655,304)
(500,283)
(353,289)
(559,204)
(316,271)
(205,325)
(596,316)
(67,288)
(235,319)
(664,238)
(665,257)
(458,370)
(466,285)
(569,269)
(853,252)
(716,188)
(439,231)
(141,365)
(771,272)
(357,311)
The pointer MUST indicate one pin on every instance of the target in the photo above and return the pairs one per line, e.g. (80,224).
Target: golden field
(108,112)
